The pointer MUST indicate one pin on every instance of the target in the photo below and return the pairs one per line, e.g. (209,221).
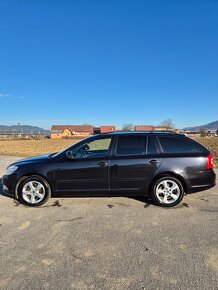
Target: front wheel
(167,191)
(33,191)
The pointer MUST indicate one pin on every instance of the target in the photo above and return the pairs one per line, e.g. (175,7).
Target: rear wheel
(167,191)
(33,191)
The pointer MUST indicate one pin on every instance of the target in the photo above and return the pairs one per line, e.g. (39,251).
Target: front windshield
(68,148)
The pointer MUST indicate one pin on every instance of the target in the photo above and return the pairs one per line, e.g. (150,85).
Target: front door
(86,169)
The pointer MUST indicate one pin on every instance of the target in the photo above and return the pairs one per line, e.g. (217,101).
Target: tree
(203,132)
(168,124)
(127,127)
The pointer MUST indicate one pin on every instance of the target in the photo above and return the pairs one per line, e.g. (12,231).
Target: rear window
(172,144)
(131,145)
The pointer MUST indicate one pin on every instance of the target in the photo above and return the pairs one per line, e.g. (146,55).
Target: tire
(33,191)
(167,191)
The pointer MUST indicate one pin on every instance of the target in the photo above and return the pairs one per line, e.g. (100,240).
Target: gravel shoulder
(109,243)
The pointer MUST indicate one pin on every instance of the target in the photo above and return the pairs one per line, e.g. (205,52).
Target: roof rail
(144,131)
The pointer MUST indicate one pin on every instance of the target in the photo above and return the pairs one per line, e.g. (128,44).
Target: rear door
(134,161)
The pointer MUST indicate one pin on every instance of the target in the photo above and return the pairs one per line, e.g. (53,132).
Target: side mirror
(69,154)
(85,147)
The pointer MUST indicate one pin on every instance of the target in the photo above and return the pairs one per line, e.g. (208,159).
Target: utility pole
(20,128)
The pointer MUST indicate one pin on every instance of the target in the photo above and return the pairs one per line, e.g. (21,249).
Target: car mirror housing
(69,154)
(85,147)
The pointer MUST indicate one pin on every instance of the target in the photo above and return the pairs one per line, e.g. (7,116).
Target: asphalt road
(109,243)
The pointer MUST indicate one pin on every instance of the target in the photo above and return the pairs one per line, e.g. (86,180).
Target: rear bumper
(200,188)
(202,180)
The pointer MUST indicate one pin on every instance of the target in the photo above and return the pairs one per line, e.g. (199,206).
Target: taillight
(209,162)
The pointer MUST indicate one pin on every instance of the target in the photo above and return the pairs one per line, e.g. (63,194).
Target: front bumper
(9,184)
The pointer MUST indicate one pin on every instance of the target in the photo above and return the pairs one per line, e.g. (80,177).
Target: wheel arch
(23,177)
(173,174)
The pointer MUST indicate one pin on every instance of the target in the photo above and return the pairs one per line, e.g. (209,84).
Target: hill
(210,126)
(24,129)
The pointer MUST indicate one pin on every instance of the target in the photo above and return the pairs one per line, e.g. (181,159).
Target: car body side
(125,174)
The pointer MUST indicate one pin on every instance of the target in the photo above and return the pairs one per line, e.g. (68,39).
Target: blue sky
(108,62)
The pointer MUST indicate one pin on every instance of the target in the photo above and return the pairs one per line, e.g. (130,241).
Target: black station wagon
(161,165)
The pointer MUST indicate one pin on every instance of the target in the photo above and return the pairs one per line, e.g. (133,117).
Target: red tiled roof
(73,128)
(106,129)
(144,128)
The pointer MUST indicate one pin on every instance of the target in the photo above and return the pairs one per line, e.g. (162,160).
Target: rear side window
(152,146)
(172,144)
(131,145)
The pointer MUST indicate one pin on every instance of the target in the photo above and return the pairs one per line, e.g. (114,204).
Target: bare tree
(203,132)
(168,124)
(127,127)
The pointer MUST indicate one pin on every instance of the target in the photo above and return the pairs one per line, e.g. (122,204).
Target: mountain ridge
(22,129)
(209,126)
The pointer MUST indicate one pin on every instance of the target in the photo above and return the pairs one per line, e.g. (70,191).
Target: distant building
(163,128)
(13,135)
(104,129)
(96,130)
(144,128)
(191,133)
(153,128)
(107,129)
(212,133)
(6,135)
(69,131)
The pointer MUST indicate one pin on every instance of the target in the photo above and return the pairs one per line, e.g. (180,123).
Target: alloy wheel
(167,191)
(33,192)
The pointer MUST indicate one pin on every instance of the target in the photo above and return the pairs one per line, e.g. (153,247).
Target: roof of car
(141,132)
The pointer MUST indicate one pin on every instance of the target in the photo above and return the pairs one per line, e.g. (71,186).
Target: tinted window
(131,145)
(101,144)
(152,145)
(96,148)
(172,144)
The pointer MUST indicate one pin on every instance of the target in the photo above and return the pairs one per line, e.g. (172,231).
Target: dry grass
(33,147)
(212,145)
(37,147)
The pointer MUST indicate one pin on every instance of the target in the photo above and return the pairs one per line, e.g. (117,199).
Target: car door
(86,169)
(133,163)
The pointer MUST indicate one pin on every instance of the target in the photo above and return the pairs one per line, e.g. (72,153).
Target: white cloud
(3,95)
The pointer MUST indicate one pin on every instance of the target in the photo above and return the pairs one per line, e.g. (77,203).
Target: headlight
(11,169)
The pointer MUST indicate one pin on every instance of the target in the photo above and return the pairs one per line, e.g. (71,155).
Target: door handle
(154,161)
(102,164)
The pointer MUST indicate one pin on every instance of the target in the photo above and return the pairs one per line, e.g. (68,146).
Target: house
(191,133)
(163,128)
(104,129)
(107,129)
(6,135)
(153,128)
(144,128)
(70,131)
(212,133)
